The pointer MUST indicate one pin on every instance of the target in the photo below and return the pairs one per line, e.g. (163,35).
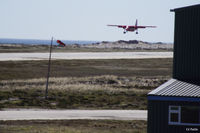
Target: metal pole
(48,73)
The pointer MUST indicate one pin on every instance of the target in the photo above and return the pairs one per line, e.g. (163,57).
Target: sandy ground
(39,114)
(84,55)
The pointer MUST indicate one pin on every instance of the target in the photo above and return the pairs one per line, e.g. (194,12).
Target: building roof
(177,88)
(184,8)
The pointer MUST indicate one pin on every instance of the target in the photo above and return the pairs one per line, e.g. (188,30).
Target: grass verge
(96,92)
(82,84)
(85,68)
(73,126)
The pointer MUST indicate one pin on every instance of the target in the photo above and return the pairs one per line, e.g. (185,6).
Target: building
(174,107)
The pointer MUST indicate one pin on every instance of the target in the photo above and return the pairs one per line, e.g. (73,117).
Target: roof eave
(184,8)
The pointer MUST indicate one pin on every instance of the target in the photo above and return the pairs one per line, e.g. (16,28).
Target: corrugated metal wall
(187,44)
(158,117)
(186,68)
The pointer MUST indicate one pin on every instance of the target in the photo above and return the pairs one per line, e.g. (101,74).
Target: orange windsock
(60,42)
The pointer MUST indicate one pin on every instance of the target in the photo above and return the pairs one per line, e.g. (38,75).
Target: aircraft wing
(146,26)
(119,26)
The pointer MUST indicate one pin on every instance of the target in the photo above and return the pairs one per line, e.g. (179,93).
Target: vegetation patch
(20,48)
(99,92)
(81,84)
(85,68)
(73,126)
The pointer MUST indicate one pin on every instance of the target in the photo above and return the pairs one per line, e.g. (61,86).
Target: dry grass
(10,48)
(86,68)
(93,83)
(98,92)
(82,84)
(73,126)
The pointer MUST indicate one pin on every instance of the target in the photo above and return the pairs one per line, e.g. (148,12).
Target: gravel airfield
(39,114)
(84,55)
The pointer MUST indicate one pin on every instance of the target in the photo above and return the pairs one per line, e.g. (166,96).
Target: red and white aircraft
(132,28)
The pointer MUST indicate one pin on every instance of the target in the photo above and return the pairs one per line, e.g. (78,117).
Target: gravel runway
(84,55)
(39,114)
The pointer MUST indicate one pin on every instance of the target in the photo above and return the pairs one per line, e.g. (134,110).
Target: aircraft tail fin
(136,22)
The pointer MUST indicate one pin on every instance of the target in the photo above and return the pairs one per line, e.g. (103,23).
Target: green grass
(73,126)
(84,68)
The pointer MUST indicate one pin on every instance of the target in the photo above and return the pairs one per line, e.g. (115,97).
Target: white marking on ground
(38,114)
(84,55)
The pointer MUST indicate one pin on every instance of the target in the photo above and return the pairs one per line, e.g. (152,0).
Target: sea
(42,42)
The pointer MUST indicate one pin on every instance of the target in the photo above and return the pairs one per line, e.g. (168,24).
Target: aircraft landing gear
(125,31)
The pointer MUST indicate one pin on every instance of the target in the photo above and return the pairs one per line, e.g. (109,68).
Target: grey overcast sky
(88,19)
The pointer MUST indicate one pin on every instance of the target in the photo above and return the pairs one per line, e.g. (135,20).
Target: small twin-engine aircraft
(132,28)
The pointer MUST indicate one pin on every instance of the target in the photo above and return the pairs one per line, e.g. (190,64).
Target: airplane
(132,28)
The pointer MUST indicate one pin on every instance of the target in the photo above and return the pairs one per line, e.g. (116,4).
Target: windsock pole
(48,73)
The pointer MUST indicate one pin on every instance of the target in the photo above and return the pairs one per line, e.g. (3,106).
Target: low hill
(131,44)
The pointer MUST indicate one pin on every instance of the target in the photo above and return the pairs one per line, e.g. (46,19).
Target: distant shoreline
(42,42)
(68,42)
(89,46)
